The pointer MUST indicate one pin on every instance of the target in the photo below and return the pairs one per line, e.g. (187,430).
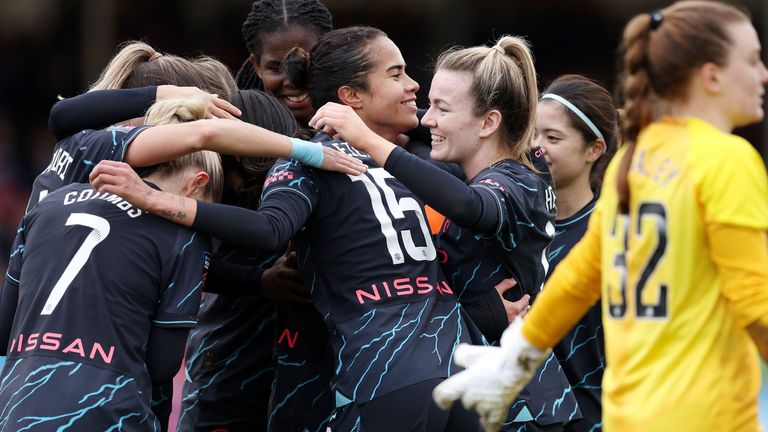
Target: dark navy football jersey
(368,257)
(74,158)
(582,350)
(94,275)
(475,262)
(229,366)
(302,396)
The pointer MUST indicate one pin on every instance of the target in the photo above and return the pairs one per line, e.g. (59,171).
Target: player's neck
(488,152)
(387,134)
(573,197)
(704,108)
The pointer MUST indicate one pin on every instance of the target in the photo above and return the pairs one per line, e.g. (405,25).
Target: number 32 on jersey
(648,291)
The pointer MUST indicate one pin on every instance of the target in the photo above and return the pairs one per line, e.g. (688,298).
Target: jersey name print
(74,157)
(93,276)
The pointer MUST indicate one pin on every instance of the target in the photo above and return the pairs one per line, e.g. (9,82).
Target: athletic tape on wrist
(307,152)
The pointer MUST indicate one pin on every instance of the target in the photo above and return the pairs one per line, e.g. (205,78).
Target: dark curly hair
(268,16)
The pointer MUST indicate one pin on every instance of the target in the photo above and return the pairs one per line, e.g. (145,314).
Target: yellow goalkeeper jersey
(677,359)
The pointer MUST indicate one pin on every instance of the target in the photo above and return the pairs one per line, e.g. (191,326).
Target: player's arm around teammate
(99,109)
(223,136)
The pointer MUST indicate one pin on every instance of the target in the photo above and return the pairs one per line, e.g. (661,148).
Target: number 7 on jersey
(100,231)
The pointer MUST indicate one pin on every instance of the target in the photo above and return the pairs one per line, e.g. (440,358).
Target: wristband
(306,152)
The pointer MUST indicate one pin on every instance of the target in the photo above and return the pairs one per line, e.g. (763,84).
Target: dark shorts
(409,409)
(301,398)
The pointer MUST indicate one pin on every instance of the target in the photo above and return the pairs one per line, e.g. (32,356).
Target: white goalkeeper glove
(493,378)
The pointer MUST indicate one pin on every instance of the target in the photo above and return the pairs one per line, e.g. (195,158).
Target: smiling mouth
(438,138)
(297,98)
(409,103)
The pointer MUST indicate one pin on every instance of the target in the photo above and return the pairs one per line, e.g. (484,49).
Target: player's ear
(349,96)
(710,78)
(596,150)
(255,64)
(195,185)
(491,123)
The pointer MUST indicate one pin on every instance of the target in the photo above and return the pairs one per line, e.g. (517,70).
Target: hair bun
(297,64)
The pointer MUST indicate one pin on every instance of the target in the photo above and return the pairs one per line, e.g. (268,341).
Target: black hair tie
(656,19)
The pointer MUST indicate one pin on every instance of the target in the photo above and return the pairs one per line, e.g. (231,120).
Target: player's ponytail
(123,64)
(638,105)
(169,111)
(137,64)
(340,58)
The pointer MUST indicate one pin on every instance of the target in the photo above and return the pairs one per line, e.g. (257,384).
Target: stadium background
(58,47)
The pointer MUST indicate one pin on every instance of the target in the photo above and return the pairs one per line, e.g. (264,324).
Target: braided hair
(660,51)
(268,16)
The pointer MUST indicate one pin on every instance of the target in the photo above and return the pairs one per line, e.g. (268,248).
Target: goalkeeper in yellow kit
(677,245)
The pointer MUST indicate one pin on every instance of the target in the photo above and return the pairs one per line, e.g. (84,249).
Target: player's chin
(440,153)
(436,154)
(754,116)
(408,119)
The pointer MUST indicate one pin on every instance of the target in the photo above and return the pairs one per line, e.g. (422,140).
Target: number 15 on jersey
(375,184)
